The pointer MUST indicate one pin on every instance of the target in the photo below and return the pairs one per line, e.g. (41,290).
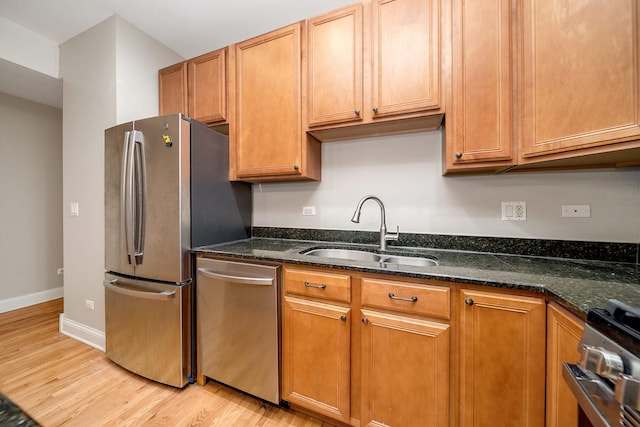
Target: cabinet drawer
(406,297)
(331,286)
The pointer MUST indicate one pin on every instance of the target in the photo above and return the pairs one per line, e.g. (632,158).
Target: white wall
(405,172)
(28,49)
(30,202)
(138,59)
(102,87)
(29,65)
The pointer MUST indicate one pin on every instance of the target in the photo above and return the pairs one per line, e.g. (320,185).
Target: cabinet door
(268,104)
(316,357)
(207,76)
(563,339)
(335,66)
(405,371)
(405,56)
(502,360)
(479,128)
(581,83)
(172,87)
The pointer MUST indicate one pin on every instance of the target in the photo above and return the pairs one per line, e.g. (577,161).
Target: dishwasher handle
(240,280)
(111,285)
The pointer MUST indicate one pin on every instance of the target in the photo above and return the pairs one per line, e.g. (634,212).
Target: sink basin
(350,254)
(410,260)
(361,255)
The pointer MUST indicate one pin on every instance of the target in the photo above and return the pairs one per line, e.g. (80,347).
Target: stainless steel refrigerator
(166,191)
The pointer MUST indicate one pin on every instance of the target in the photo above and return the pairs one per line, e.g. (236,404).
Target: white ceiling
(189,27)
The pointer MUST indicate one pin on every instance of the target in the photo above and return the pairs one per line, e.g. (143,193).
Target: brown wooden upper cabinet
(335,66)
(371,62)
(207,77)
(196,88)
(267,136)
(479,122)
(580,82)
(172,89)
(570,71)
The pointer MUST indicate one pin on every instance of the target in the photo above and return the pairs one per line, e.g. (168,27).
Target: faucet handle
(392,235)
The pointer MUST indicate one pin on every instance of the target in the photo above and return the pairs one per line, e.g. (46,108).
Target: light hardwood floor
(62,382)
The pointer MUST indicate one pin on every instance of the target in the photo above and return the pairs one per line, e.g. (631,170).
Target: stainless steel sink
(350,254)
(362,255)
(410,260)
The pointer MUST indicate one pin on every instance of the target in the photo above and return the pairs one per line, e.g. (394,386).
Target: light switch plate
(514,211)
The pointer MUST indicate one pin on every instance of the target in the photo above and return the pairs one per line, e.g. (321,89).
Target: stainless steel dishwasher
(237,325)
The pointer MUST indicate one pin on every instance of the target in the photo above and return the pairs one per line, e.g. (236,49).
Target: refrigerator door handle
(139,196)
(126,219)
(112,285)
(262,281)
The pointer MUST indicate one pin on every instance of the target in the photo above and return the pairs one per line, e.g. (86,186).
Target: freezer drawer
(148,328)
(237,326)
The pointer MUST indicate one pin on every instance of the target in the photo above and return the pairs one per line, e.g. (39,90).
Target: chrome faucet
(384,236)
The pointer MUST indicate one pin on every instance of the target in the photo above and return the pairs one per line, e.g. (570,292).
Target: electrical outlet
(514,211)
(88,304)
(308,210)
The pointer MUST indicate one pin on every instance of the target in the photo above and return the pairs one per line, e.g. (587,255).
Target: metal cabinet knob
(458,155)
(468,301)
(365,320)
(357,112)
(296,167)
(375,109)
(343,318)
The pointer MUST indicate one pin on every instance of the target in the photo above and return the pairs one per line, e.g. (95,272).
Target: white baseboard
(82,333)
(30,299)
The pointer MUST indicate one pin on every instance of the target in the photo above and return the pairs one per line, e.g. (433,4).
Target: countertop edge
(575,294)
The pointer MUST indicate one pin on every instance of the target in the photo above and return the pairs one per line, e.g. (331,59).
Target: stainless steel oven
(606,380)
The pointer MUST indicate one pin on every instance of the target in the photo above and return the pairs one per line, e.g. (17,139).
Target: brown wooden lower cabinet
(372,350)
(502,360)
(316,357)
(405,371)
(563,338)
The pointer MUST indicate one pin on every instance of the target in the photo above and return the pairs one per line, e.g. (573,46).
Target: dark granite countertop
(12,416)
(577,285)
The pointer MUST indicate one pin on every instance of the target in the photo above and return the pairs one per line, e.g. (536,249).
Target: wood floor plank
(62,382)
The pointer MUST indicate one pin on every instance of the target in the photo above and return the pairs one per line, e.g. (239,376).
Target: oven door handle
(578,380)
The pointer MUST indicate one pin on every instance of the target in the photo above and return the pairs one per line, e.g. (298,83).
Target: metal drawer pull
(411,299)
(343,318)
(320,286)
